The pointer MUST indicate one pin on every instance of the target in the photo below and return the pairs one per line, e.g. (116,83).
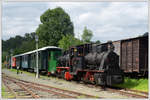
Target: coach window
(56,54)
(24,58)
(39,55)
(31,57)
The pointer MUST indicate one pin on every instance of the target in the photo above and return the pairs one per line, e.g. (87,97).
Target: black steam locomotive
(93,63)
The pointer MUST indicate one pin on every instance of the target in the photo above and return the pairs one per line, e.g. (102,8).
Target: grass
(135,84)
(5,94)
(32,74)
(4,65)
(81,96)
(15,70)
(41,76)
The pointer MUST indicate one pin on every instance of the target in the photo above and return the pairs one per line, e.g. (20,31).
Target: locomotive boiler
(64,59)
(102,57)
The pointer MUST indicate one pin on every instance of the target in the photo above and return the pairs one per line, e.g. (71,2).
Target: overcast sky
(107,20)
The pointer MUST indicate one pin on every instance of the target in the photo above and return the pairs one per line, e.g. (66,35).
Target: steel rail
(146,93)
(14,93)
(50,87)
(127,93)
(33,94)
(22,87)
(123,91)
(77,93)
(41,89)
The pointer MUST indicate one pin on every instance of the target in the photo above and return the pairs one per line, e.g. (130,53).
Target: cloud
(18,20)
(18,26)
(85,17)
(107,20)
(116,21)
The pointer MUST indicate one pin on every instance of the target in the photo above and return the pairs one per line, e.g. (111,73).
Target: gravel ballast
(63,84)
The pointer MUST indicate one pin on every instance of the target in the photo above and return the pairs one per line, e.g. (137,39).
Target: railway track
(61,93)
(129,93)
(72,94)
(18,90)
(123,91)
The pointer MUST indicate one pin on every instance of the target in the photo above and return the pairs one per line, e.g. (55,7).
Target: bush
(135,84)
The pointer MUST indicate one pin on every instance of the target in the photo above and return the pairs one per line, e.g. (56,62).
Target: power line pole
(37,66)
(11,61)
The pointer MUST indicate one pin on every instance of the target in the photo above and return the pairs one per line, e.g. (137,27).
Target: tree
(68,41)
(12,43)
(19,44)
(55,23)
(87,35)
(4,54)
(97,42)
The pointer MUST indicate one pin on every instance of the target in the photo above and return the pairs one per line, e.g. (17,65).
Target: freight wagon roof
(40,49)
(138,37)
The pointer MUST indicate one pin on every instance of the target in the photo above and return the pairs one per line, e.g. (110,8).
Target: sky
(107,20)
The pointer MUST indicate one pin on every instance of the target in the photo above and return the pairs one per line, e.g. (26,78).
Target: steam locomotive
(92,63)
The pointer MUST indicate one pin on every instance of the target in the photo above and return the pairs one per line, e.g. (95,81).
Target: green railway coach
(47,59)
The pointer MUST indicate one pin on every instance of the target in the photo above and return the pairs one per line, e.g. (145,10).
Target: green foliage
(18,45)
(69,40)
(4,65)
(11,43)
(87,35)
(4,54)
(135,84)
(27,44)
(97,42)
(55,23)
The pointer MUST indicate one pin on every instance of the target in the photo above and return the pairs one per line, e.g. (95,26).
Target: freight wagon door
(129,56)
(124,56)
(136,55)
(143,55)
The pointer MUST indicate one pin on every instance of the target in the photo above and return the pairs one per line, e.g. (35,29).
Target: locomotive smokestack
(110,46)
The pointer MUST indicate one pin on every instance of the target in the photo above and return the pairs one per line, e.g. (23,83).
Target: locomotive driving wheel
(62,74)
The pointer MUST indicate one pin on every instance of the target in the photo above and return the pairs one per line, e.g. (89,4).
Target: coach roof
(40,49)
